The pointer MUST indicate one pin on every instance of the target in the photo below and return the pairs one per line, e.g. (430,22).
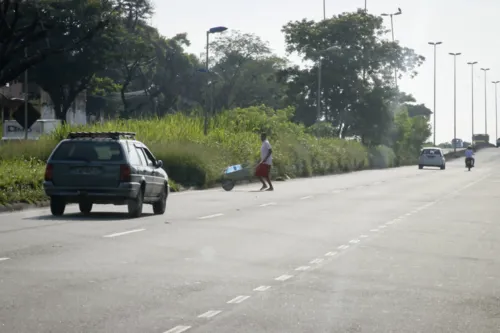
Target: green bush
(195,160)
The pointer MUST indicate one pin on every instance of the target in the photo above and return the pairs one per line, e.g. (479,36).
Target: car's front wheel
(57,205)
(85,207)
(160,206)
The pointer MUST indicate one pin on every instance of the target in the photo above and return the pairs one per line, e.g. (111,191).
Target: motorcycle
(468,163)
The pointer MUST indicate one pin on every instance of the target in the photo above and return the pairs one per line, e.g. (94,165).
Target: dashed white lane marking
(382,227)
(3,259)
(343,247)
(391,222)
(209,314)
(268,204)
(336,191)
(407,214)
(238,299)
(210,216)
(377,183)
(306,197)
(283,277)
(124,233)
(316,261)
(354,241)
(363,236)
(178,329)
(331,254)
(374,230)
(302,268)
(262,288)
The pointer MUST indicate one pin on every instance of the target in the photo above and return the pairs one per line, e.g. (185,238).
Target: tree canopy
(130,70)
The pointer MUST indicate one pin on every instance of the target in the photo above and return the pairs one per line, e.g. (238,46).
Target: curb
(18,206)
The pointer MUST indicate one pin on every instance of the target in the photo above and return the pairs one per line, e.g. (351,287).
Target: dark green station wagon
(105,168)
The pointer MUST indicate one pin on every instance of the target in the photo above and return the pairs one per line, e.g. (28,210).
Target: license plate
(430,156)
(87,171)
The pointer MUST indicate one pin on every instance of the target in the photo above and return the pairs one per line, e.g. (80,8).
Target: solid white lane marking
(124,233)
(374,230)
(3,259)
(316,261)
(268,204)
(354,241)
(178,329)
(302,268)
(238,299)
(363,236)
(210,216)
(331,254)
(343,247)
(306,197)
(210,314)
(262,288)
(283,277)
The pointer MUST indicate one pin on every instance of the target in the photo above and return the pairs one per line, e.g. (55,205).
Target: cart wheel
(227,185)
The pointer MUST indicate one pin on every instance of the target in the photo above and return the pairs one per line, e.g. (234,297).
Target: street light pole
(26,91)
(318,106)
(324,9)
(496,110)
(399,12)
(318,97)
(485,70)
(472,63)
(435,44)
(209,31)
(455,99)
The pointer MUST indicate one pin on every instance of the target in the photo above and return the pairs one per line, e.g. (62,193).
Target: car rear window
(89,151)
(431,152)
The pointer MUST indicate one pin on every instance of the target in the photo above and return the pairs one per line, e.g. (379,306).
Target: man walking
(266,160)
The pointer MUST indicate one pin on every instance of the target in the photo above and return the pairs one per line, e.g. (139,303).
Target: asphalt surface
(399,250)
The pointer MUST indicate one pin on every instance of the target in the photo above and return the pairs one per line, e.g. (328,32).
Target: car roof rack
(102,135)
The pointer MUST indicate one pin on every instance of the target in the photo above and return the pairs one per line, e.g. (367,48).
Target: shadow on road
(98,216)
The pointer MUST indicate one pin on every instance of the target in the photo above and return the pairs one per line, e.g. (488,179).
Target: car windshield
(431,152)
(89,151)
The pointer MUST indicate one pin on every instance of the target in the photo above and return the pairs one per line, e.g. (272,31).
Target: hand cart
(235,173)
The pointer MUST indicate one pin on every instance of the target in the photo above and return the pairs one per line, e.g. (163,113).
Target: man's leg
(268,178)
(264,186)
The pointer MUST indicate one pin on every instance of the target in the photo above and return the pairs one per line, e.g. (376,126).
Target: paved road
(401,250)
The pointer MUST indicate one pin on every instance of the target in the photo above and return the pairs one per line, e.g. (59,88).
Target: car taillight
(48,172)
(124,173)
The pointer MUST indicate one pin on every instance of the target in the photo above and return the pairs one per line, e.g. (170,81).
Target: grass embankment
(195,160)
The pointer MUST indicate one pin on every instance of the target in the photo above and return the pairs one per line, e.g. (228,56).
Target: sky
(464,26)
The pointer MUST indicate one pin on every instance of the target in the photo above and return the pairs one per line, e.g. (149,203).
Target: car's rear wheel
(85,207)
(135,205)
(57,205)
(160,206)
(420,166)
(443,167)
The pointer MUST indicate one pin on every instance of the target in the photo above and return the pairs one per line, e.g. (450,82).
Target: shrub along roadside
(195,160)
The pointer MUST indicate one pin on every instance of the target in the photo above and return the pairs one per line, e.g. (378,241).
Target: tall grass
(193,159)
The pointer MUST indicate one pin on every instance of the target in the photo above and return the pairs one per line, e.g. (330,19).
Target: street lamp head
(216,30)
(472,63)
(435,43)
(485,69)
(384,14)
(455,54)
(495,82)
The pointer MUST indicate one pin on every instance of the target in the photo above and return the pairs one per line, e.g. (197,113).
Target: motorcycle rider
(468,155)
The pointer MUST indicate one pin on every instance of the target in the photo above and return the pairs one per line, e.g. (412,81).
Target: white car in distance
(432,157)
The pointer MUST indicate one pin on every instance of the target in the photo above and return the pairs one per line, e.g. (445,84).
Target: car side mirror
(159,164)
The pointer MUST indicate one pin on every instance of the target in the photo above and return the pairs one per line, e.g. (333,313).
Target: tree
(39,27)
(245,72)
(64,75)
(357,65)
